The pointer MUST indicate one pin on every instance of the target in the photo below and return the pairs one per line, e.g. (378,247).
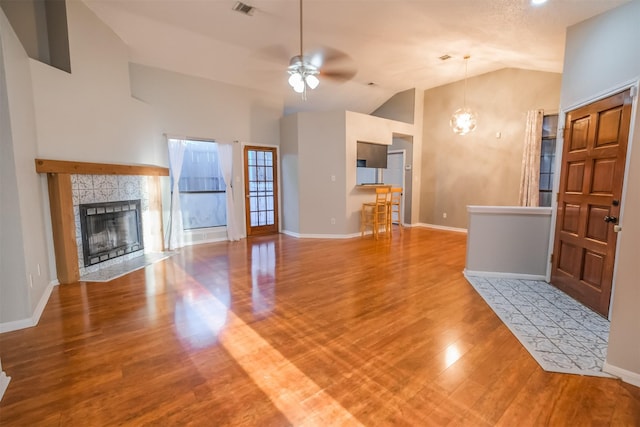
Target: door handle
(612,219)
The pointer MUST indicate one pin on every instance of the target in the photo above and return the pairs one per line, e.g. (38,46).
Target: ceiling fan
(304,70)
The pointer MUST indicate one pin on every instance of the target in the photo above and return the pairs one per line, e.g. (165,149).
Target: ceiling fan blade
(273,53)
(339,75)
(333,63)
(325,55)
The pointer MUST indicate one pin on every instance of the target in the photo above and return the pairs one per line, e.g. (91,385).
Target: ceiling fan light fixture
(302,71)
(295,79)
(312,81)
(299,87)
(302,75)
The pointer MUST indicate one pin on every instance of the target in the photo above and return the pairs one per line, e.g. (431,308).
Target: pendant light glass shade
(463,119)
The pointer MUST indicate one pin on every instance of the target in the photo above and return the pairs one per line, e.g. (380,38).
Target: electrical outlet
(444,215)
(333,221)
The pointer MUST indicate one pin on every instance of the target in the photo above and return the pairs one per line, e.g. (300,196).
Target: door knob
(612,219)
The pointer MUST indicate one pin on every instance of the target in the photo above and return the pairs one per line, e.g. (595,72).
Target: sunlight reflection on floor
(295,395)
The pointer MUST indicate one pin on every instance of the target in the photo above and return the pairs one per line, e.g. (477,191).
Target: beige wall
(479,168)
(601,56)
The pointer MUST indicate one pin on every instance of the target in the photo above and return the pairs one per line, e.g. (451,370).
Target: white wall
(24,282)
(601,55)
(89,115)
(199,108)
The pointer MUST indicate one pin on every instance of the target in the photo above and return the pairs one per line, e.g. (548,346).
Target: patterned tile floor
(114,271)
(561,334)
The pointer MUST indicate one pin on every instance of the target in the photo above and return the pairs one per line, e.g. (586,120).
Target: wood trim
(155,210)
(85,168)
(63,227)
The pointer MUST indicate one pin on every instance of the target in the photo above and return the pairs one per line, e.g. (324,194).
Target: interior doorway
(589,200)
(261,190)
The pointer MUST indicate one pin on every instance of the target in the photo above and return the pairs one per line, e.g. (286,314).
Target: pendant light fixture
(302,73)
(463,119)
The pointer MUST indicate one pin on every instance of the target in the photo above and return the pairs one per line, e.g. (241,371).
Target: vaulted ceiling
(391,45)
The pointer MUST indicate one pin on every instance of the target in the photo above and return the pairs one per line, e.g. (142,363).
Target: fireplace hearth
(110,230)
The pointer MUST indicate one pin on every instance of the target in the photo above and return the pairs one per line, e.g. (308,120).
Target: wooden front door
(593,162)
(261,192)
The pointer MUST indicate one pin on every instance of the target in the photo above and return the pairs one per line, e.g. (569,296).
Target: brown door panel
(591,178)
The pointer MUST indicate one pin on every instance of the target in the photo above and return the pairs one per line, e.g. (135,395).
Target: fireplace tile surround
(71,183)
(108,188)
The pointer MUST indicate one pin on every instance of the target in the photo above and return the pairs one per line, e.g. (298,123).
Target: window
(202,188)
(547,158)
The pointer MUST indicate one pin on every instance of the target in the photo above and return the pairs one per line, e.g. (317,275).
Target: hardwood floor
(276,331)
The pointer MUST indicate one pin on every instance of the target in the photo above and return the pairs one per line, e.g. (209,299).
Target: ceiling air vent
(243,8)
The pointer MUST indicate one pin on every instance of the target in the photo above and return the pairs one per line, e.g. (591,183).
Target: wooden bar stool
(395,201)
(375,214)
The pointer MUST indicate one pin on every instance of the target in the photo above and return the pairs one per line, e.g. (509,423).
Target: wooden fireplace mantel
(86,168)
(61,204)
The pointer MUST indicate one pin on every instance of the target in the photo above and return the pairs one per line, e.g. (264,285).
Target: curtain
(175,233)
(225,155)
(530,176)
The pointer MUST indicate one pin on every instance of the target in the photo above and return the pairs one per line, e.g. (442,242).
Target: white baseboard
(319,236)
(4,383)
(200,242)
(439,227)
(35,317)
(503,275)
(632,378)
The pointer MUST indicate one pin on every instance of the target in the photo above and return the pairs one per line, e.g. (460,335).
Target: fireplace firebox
(110,230)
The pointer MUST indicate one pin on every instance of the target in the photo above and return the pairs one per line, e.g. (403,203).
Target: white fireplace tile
(106,195)
(80,252)
(105,181)
(144,187)
(129,192)
(83,182)
(130,186)
(78,229)
(86,196)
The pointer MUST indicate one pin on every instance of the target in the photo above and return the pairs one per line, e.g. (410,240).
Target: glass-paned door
(260,169)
